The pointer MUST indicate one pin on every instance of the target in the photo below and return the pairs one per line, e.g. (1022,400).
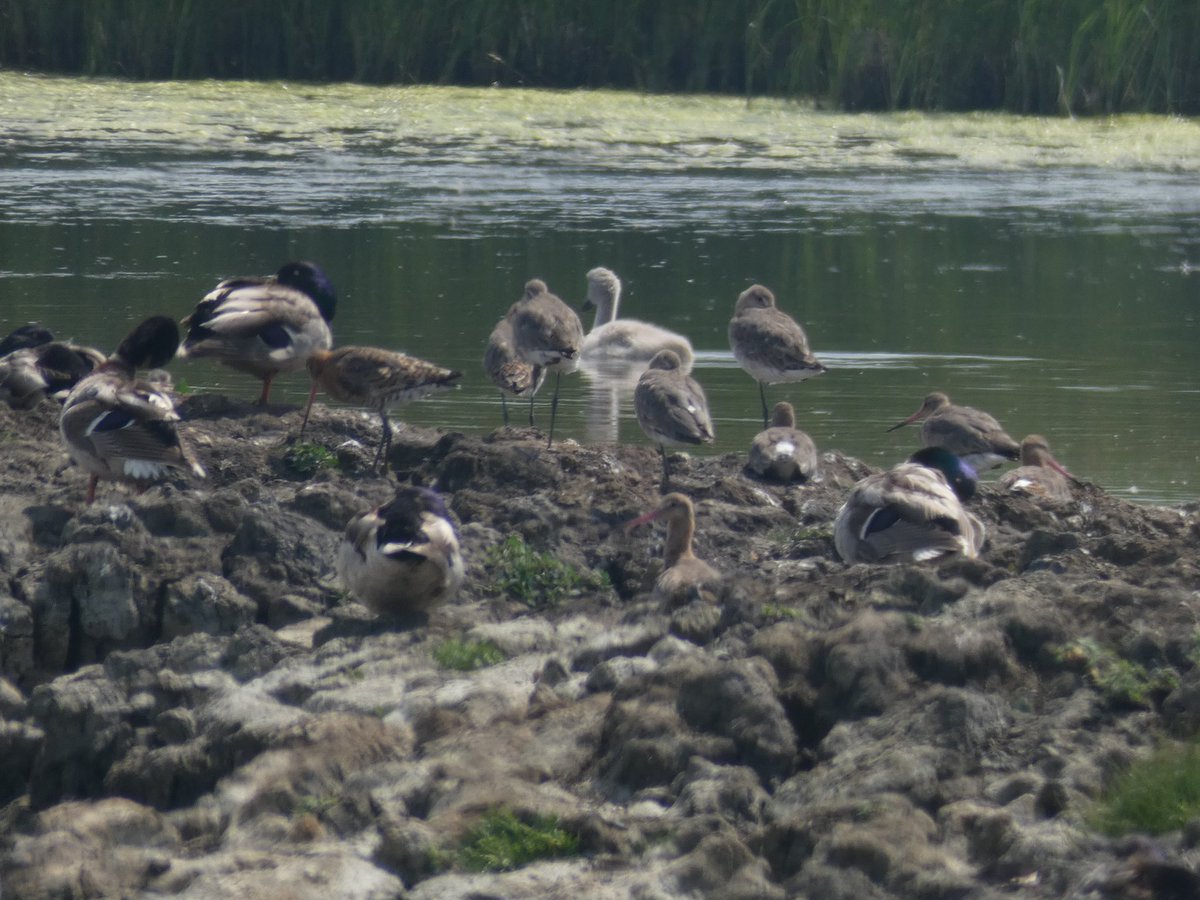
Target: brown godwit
(546,333)
(783,452)
(671,407)
(1040,474)
(118,427)
(626,340)
(264,326)
(684,577)
(508,371)
(376,378)
(911,513)
(403,557)
(768,343)
(963,430)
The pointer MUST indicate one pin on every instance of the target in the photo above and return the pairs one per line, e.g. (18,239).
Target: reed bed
(1033,56)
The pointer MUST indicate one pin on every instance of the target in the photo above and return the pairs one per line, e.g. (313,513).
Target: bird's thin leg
(312,393)
(266,392)
(762,393)
(385,442)
(666,481)
(553,409)
(531,396)
(504,407)
(91,494)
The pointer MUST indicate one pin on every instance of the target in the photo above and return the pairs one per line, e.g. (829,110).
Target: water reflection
(608,396)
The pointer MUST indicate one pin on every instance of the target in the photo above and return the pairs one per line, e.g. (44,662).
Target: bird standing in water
(508,371)
(264,326)
(546,333)
(671,407)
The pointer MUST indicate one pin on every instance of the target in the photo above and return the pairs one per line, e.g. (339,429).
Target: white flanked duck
(684,576)
(33,366)
(403,557)
(965,431)
(120,428)
(264,326)
(911,513)
(1040,475)
(783,452)
(624,340)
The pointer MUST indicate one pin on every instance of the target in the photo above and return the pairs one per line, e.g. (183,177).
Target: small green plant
(1154,795)
(501,841)
(1121,682)
(778,612)
(466,656)
(306,460)
(310,804)
(538,580)
(182,388)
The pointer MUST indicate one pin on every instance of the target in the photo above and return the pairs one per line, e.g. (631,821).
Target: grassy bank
(1038,56)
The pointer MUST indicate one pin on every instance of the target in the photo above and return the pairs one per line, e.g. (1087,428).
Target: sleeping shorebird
(508,371)
(1040,474)
(33,365)
(376,378)
(624,340)
(403,557)
(671,407)
(684,577)
(546,333)
(783,452)
(117,427)
(768,343)
(963,430)
(264,326)
(911,513)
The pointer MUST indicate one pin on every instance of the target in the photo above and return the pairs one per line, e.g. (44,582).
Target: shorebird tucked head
(666,359)
(754,297)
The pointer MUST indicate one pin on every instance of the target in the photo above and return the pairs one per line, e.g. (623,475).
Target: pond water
(1042,269)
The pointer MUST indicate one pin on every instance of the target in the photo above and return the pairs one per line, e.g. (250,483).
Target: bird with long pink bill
(684,576)
(968,433)
(375,378)
(1040,475)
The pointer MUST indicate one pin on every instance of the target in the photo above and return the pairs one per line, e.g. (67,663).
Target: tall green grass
(1037,56)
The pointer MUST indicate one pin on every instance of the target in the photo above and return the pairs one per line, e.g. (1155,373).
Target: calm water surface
(1044,270)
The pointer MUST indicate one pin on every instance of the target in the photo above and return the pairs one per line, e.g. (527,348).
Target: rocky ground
(190,706)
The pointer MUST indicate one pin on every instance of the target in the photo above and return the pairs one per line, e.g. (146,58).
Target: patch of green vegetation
(501,841)
(311,804)
(306,460)
(778,612)
(182,388)
(1154,795)
(467,656)
(1120,681)
(539,580)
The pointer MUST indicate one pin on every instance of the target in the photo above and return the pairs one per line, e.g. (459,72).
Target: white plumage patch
(143,468)
(785,450)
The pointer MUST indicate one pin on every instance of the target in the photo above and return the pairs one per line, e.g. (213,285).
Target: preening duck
(118,427)
(403,557)
(969,433)
(684,576)
(33,365)
(911,513)
(264,326)
(625,340)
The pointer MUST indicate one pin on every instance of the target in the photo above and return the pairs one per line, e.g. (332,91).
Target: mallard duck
(783,452)
(684,576)
(371,376)
(25,336)
(624,340)
(403,557)
(911,513)
(118,427)
(508,371)
(264,326)
(49,369)
(966,432)
(768,343)
(671,407)
(1040,474)
(546,333)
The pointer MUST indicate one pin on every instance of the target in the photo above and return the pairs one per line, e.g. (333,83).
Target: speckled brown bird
(968,433)
(1040,475)
(508,371)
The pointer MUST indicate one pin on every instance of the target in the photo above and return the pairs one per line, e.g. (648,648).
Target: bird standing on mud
(264,326)
(768,343)
(371,376)
(33,365)
(546,333)
(966,432)
(1040,475)
(118,427)
(671,407)
(911,513)
(402,558)
(783,452)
